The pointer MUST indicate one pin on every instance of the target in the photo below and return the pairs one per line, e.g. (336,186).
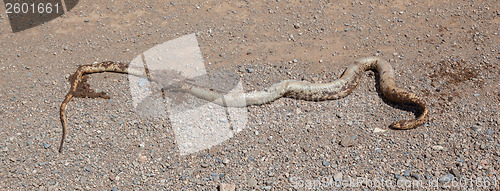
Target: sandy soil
(444,51)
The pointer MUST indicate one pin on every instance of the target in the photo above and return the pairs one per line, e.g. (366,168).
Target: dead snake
(288,88)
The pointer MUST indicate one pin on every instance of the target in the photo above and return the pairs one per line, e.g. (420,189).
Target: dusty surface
(445,51)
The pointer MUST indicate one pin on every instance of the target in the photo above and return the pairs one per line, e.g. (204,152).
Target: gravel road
(445,51)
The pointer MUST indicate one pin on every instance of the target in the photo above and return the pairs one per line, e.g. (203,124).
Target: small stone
(416,176)
(378,130)
(476,95)
(5,149)
(406,173)
(297,26)
(438,147)
(294,61)
(225,161)
(135,163)
(250,70)
(143,159)
(171,3)
(86,20)
(475,127)
(337,177)
(489,131)
(214,176)
(114,189)
(325,163)
(46,145)
(252,183)
(227,187)
(271,174)
(267,187)
(204,165)
(398,176)
(482,146)
(446,178)
(348,141)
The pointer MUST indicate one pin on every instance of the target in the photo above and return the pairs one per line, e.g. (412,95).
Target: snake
(303,90)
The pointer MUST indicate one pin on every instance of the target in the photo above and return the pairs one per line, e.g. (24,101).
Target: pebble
(348,141)
(397,176)
(378,130)
(114,189)
(214,176)
(416,176)
(325,163)
(250,70)
(143,159)
(204,165)
(252,183)
(437,147)
(406,173)
(446,178)
(297,26)
(337,177)
(475,127)
(294,61)
(46,145)
(267,187)
(227,187)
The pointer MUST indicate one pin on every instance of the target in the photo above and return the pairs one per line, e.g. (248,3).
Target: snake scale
(288,88)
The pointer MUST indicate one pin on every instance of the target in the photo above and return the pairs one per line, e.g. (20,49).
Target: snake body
(288,88)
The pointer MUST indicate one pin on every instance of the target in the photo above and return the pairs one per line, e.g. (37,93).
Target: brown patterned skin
(288,88)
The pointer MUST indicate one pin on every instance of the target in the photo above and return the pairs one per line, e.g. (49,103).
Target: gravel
(452,64)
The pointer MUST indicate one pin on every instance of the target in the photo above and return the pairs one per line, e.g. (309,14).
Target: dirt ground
(445,51)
